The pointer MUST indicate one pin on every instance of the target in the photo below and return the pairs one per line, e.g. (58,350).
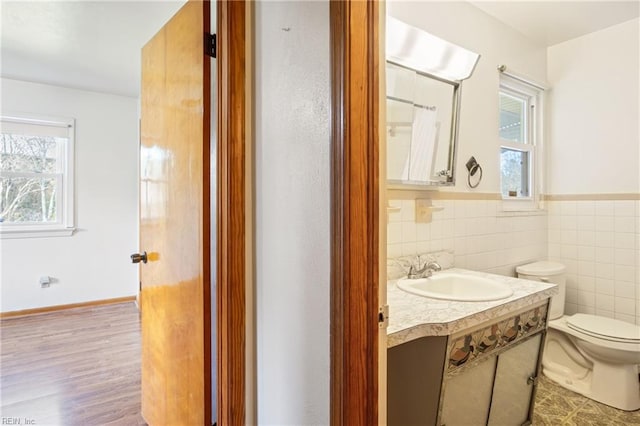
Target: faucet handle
(434,266)
(412,273)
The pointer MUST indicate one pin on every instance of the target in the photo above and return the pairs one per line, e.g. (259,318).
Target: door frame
(355,197)
(231,212)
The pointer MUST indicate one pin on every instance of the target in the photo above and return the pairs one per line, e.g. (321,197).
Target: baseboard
(47,309)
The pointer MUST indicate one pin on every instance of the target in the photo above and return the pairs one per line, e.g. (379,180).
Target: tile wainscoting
(598,240)
(482,236)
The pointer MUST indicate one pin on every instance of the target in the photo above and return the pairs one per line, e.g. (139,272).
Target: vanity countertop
(412,317)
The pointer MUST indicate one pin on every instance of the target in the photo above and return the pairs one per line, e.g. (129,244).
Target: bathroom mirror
(424,75)
(421,127)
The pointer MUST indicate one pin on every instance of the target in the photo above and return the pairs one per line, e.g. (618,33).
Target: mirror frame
(450,175)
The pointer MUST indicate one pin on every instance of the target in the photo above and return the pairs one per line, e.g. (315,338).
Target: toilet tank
(549,272)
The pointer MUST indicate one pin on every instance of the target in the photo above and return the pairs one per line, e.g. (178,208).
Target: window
(519,130)
(36,176)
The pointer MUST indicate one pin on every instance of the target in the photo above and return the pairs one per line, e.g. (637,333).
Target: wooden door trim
(206,224)
(231,297)
(354,212)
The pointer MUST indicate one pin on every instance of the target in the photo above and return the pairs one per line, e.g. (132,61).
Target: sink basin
(455,286)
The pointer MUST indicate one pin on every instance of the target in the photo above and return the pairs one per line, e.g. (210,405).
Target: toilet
(592,355)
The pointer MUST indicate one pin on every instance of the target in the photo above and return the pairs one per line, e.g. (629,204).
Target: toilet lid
(605,328)
(541,269)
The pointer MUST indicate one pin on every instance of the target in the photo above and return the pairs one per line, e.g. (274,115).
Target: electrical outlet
(45,281)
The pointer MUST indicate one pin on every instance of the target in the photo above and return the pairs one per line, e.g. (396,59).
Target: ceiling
(552,22)
(95,45)
(91,45)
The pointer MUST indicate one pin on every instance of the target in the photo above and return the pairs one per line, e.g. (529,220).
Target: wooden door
(175,221)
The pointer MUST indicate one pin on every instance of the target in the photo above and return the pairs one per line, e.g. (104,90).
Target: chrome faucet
(425,272)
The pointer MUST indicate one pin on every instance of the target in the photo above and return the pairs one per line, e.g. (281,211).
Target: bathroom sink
(455,286)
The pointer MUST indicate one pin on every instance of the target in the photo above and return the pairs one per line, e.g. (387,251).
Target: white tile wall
(483,238)
(599,242)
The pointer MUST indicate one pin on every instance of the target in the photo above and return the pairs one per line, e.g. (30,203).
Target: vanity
(454,362)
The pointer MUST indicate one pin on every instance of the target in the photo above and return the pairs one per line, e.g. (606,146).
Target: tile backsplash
(598,241)
(482,237)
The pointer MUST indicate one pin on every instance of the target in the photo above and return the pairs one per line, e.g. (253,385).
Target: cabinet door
(467,395)
(513,391)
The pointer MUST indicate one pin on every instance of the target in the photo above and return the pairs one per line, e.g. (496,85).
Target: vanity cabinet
(467,397)
(485,375)
(513,391)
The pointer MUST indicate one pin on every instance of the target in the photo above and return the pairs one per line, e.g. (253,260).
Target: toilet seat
(605,328)
(541,269)
(562,324)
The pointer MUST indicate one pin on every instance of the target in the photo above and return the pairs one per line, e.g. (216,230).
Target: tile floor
(558,406)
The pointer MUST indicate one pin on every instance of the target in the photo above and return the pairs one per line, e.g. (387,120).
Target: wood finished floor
(75,367)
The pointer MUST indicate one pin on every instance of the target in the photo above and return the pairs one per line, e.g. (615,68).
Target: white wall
(594,145)
(467,26)
(93,264)
(594,148)
(292,211)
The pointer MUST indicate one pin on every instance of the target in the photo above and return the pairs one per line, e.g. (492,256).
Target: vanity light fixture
(417,49)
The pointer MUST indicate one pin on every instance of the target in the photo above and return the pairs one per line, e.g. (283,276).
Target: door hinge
(383,316)
(210,45)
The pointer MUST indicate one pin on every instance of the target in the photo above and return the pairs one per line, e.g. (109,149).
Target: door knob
(137,257)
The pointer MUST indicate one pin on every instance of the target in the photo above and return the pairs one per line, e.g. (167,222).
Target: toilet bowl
(604,369)
(595,356)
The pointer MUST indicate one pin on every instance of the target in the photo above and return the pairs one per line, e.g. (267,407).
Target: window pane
(30,154)
(514,166)
(512,118)
(28,199)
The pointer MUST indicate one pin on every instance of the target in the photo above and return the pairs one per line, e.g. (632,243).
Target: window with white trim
(519,133)
(36,176)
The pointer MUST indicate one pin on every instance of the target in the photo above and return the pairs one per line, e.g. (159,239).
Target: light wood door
(175,221)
